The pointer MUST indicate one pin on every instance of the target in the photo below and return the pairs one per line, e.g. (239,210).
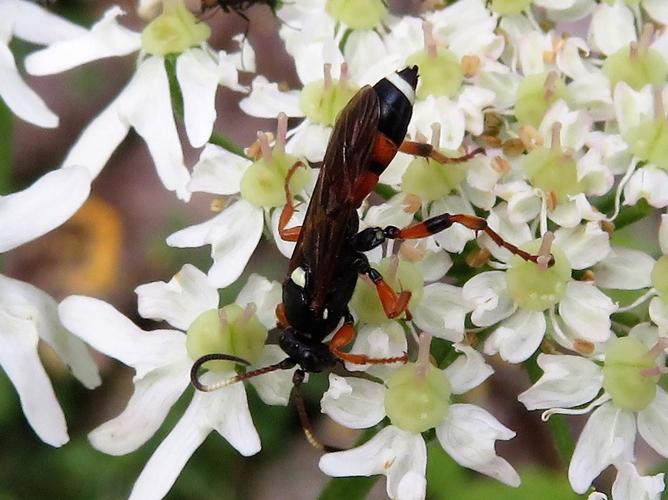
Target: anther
(411,203)
(470,65)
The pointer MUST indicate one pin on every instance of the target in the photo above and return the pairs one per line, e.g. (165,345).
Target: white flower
(631,401)
(28,21)
(28,315)
(162,366)
(145,103)
(467,433)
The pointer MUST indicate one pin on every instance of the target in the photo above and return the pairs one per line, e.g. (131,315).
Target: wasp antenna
(195,378)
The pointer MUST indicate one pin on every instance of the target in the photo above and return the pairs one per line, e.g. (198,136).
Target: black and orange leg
(292,233)
(344,336)
(428,151)
(394,304)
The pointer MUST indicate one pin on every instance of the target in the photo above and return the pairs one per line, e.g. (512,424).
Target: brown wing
(332,204)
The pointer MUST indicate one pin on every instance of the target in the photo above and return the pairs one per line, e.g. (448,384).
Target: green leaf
(350,488)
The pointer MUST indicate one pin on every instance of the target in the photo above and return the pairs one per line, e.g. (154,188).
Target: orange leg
(438,223)
(428,151)
(280,316)
(345,336)
(289,234)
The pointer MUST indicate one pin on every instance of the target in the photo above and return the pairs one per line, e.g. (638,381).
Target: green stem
(385,191)
(225,143)
(563,441)
(5,149)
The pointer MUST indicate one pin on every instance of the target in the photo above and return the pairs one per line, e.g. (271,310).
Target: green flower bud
(637,70)
(550,170)
(263,183)
(440,75)
(416,402)
(649,141)
(431,180)
(321,104)
(660,278)
(173,31)
(365,301)
(509,7)
(535,95)
(622,378)
(535,288)
(230,330)
(357,14)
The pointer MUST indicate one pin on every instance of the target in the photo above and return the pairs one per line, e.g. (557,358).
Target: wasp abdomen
(396,94)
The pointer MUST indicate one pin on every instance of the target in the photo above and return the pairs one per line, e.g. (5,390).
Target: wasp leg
(428,151)
(297,380)
(441,222)
(292,233)
(281,317)
(393,304)
(345,336)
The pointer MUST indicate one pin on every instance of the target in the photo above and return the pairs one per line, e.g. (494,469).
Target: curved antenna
(286,364)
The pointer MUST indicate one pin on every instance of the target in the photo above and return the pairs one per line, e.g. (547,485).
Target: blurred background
(116,242)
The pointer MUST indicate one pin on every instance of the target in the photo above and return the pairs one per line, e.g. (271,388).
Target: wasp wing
(333,204)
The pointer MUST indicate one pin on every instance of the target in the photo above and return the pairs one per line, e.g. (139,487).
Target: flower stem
(225,143)
(563,441)
(5,149)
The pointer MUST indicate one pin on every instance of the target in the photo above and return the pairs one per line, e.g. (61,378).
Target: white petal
(287,247)
(657,10)
(233,235)
(153,397)
(146,104)
(197,74)
(467,371)
(106,38)
(612,27)
(187,295)
(650,183)
(567,381)
(265,294)
(99,139)
(515,233)
(607,438)
(392,452)
(518,337)
(225,411)
(266,100)
(19,360)
(391,213)
(111,333)
(442,311)
(653,423)
(454,238)
(384,341)
(45,205)
(273,388)
(469,434)
(20,98)
(658,312)
(487,292)
(580,9)
(663,234)
(624,269)
(630,485)
(586,310)
(354,403)
(38,25)
(309,140)
(631,107)
(441,110)
(584,245)
(218,171)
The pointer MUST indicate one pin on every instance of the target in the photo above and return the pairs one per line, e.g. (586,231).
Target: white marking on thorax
(299,277)
(403,86)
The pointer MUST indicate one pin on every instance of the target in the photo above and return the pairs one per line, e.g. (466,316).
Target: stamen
(413,251)
(327,74)
(218,204)
(646,37)
(654,372)
(544,255)
(530,137)
(423,360)
(222,316)
(659,348)
(392,268)
(575,411)
(429,42)
(477,257)
(344,74)
(264,138)
(550,86)
(435,135)
(420,137)
(556,137)
(248,312)
(501,165)
(470,65)
(659,111)
(411,203)
(583,346)
(281,132)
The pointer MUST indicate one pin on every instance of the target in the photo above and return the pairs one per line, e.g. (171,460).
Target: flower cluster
(575,133)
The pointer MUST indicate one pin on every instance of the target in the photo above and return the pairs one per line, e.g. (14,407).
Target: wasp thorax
(400,275)
(322,100)
(537,287)
(230,330)
(637,64)
(418,394)
(628,374)
(357,14)
(173,31)
(553,170)
(536,94)
(441,72)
